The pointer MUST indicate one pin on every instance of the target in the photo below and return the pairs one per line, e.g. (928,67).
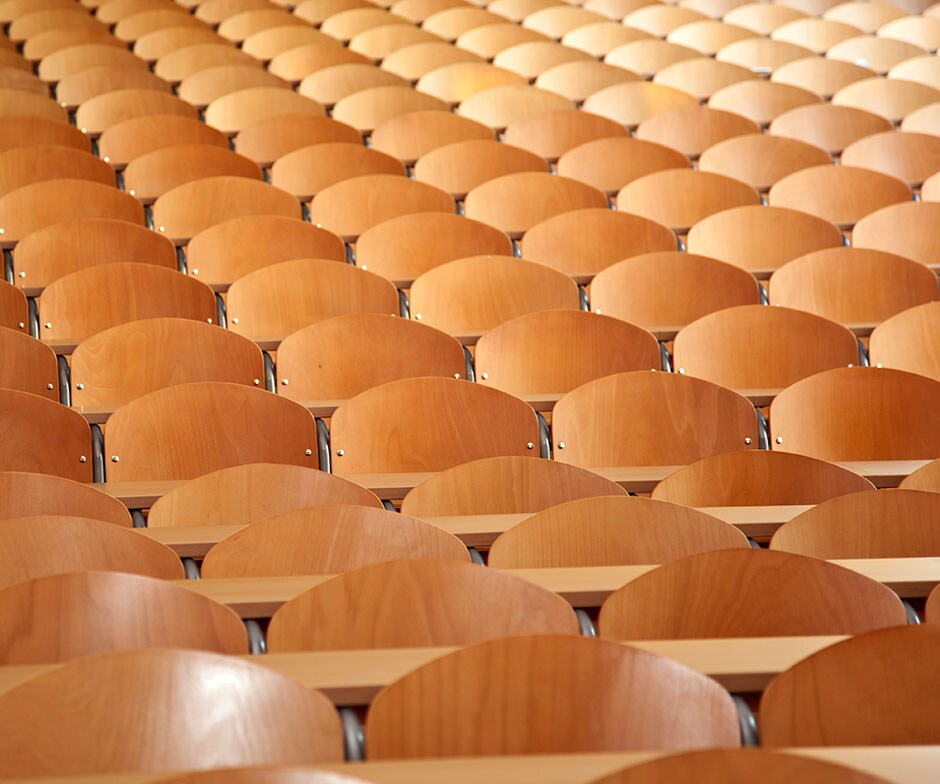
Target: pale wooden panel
(26,494)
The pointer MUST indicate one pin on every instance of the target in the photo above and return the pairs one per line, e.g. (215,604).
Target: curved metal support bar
(746,722)
(516,249)
(256,641)
(665,363)
(221,317)
(475,556)
(913,617)
(32,317)
(585,624)
(545,438)
(754,545)
(148,217)
(764,299)
(353,743)
(404,306)
(97,455)
(65,381)
(389,505)
(269,381)
(8,266)
(350,253)
(763,433)
(137,517)
(470,372)
(181,264)
(323,446)
(583,297)
(862,353)
(191,569)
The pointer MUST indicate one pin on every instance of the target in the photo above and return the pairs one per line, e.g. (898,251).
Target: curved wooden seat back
(578,79)
(293,64)
(281,298)
(409,136)
(693,130)
(24,165)
(892,99)
(44,256)
(415,60)
(413,603)
(932,608)
(844,695)
(28,25)
(911,157)
(328,539)
(187,430)
(77,88)
(650,418)
(231,249)
(279,720)
(15,102)
(852,285)
(329,85)
(268,44)
(761,100)
(245,494)
(367,109)
(307,171)
(586,242)
(129,139)
(178,65)
(205,86)
(68,616)
(460,167)
(340,357)
(558,350)
(504,485)
(701,77)
(872,524)
(480,292)
(454,82)
(753,346)
(13,308)
(42,436)
(267,139)
(28,365)
(97,298)
(547,694)
(611,531)
(98,114)
(24,130)
(429,424)
(906,341)
(68,55)
(747,593)
(828,125)
(902,229)
(24,494)
(819,75)
(125,362)
(758,477)
(239,26)
(927,478)
(551,134)
(39,545)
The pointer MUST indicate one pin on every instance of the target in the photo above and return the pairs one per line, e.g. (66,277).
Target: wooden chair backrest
(135,26)
(905,341)
(187,430)
(409,136)
(827,125)
(98,114)
(294,64)
(267,44)
(911,157)
(67,616)
(814,33)
(758,477)
(819,75)
(456,82)
(381,41)
(708,35)
(460,167)
(24,165)
(236,111)
(76,88)
(307,171)
(415,60)
(932,608)
(845,695)
(24,130)
(694,129)
(239,26)
(611,531)
(367,109)
(761,100)
(488,40)
(556,693)
(180,64)
(747,593)
(328,539)
(344,25)
(202,88)
(660,22)
(25,494)
(329,85)
(902,229)
(701,76)
(15,102)
(268,139)
(27,365)
(674,420)
(761,159)
(551,134)
(13,308)
(28,25)
(500,107)
(927,478)
(161,40)
(648,56)
(46,43)
(892,101)
(578,79)
(429,424)
(286,723)
(130,139)
(413,603)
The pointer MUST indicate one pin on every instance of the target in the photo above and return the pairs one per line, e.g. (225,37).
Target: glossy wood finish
(309,170)
(236,111)
(208,85)
(830,126)
(23,102)
(460,167)
(578,79)
(413,61)
(161,41)
(298,62)
(36,163)
(180,64)
(500,107)
(327,539)
(820,75)
(932,609)
(266,140)
(267,44)
(25,130)
(901,229)
(367,109)
(98,114)
(892,99)
(13,308)
(409,136)
(27,365)
(77,88)
(332,84)
(455,82)
(130,139)
(905,341)
(694,129)
(624,160)
(26,494)
(761,160)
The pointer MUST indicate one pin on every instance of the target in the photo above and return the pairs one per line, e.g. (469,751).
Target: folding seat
(266,140)
(893,99)
(450,23)
(828,126)
(42,204)
(578,79)
(551,134)
(13,308)
(45,43)
(300,61)
(702,76)
(611,531)
(413,603)
(329,85)
(852,285)
(747,593)
(265,45)
(878,54)
(25,103)
(409,136)
(844,695)
(307,171)
(555,693)
(112,11)
(245,494)
(231,249)
(367,109)
(694,129)
(761,239)
(906,341)
(500,107)
(922,31)
(648,57)
(75,89)
(353,206)
(184,211)
(238,27)
(397,249)
(28,25)
(610,163)
(415,60)
(47,544)
(459,168)
(911,157)
(660,20)
(489,40)
(72,60)
(210,84)
(279,299)
(126,612)
(630,103)
(149,176)
(758,477)
(762,55)
(517,10)
(616,9)
(456,82)
(37,163)
(820,75)
(98,114)
(680,198)
(26,494)
(215,11)
(675,420)
(761,101)
(532,58)
(27,365)
(599,38)
(883,415)
(150,47)
(287,723)
(133,27)
(415,11)
(761,160)
(470,422)
(504,485)
(328,539)
(236,111)
(707,36)
(819,35)
(45,255)
(558,20)
(345,25)
(923,69)
(379,42)
(867,16)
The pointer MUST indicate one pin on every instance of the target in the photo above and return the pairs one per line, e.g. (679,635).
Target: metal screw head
(256,381)
(456,375)
(235,320)
(530,445)
(48,325)
(132,192)
(484,376)
(417,317)
(195,271)
(162,228)
(747,440)
(778,440)
(284,382)
(22,325)
(79,386)
(115,459)
(22,274)
(597,311)
(340,453)
(83,459)
(49,386)
(680,370)
(308,452)
(561,445)
(208,321)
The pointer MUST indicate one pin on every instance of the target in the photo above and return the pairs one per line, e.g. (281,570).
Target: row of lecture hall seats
(363,207)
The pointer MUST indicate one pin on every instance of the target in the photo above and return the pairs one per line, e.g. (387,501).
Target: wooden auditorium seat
(136,137)
(27,364)
(24,494)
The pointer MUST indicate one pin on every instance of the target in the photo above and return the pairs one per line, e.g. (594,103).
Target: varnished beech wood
(159,42)
(758,477)
(577,79)
(858,414)
(180,64)
(480,292)
(762,54)
(819,701)
(820,75)
(627,159)
(905,341)
(911,157)
(701,76)
(281,298)
(415,60)
(748,593)
(345,25)
(648,56)
(27,365)
(460,167)
(517,10)
(400,249)
(267,44)
(40,545)
(892,99)
(332,84)
(923,120)
(367,109)
(932,608)
(558,350)
(16,78)
(82,86)
(317,11)
(294,64)
(98,114)
(607,531)
(136,26)
(852,284)
(500,107)
(553,133)
(455,82)
(816,34)
(708,36)
(672,419)
(379,42)
(901,229)
(28,25)
(415,11)
(13,9)
(752,346)
(41,204)
(13,308)
(187,430)
(597,39)
(692,130)
(285,723)
(868,17)
(879,53)
(49,41)
(25,494)
(416,602)
(267,140)
(873,524)
(761,160)
(134,138)
(555,21)
(83,303)
(489,40)
(659,21)
(829,126)
(327,539)
(23,102)
(68,616)
(761,100)
(240,26)
(216,11)
(350,207)
(548,687)
(532,58)
(429,424)
(309,170)
(202,88)
(74,59)
(24,130)
(184,211)
(409,136)
(236,111)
